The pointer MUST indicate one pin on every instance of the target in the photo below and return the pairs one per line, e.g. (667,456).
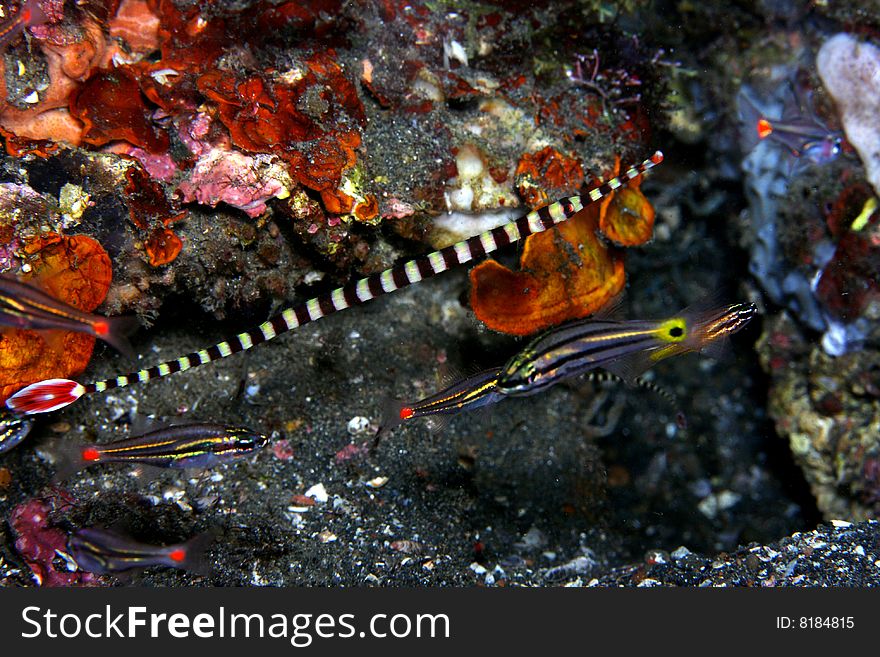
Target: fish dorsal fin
(613,309)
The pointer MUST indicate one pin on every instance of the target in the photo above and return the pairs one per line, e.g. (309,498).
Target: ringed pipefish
(53,394)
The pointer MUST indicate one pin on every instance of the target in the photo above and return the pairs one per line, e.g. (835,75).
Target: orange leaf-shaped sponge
(77,271)
(566,273)
(627,216)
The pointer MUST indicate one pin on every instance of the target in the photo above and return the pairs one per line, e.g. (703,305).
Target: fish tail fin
(750,117)
(193,556)
(394,412)
(115,331)
(45,396)
(72,456)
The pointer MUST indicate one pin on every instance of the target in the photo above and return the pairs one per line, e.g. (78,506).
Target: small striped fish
(24,306)
(476,391)
(104,552)
(625,348)
(185,446)
(53,394)
(13,429)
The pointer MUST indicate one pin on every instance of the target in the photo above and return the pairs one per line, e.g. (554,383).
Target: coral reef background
(235,158)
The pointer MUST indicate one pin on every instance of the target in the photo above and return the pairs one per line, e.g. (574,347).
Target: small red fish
(28,15)
(24,306)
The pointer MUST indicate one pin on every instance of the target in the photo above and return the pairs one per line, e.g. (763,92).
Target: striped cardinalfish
(798,130)
(183,446)
(625,348)
(53,394)
(24,306)
(13,429)
(103,552)
(479,391)
(476,391)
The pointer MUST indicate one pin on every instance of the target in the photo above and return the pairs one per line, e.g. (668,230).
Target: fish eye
(676,332)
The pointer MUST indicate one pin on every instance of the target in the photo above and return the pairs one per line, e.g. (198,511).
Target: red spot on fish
(406,413)
(657,157)
(178,555)
(91,454)
(765,129)
(101,328)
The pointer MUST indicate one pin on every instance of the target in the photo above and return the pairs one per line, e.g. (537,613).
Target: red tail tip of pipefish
(45,396)
(765,129)
(657,157)
(406,413)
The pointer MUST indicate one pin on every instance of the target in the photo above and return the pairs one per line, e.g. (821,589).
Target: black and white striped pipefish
(53,394)
(624,348)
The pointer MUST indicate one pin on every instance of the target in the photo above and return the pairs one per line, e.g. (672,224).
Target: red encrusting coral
(311,120)
(547,175)
(111,107)
(77,271)
(150,210)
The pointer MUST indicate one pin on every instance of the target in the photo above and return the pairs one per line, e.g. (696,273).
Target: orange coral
(111,108)
(627,216)
(162,246)
(566,273)
(368,210)
(69,62)
(75,270)
(149,209)
(546,175)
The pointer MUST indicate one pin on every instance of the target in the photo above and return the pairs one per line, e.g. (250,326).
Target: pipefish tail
(53,394)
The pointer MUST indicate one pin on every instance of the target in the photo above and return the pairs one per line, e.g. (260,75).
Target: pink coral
(38,541)
(243,181)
